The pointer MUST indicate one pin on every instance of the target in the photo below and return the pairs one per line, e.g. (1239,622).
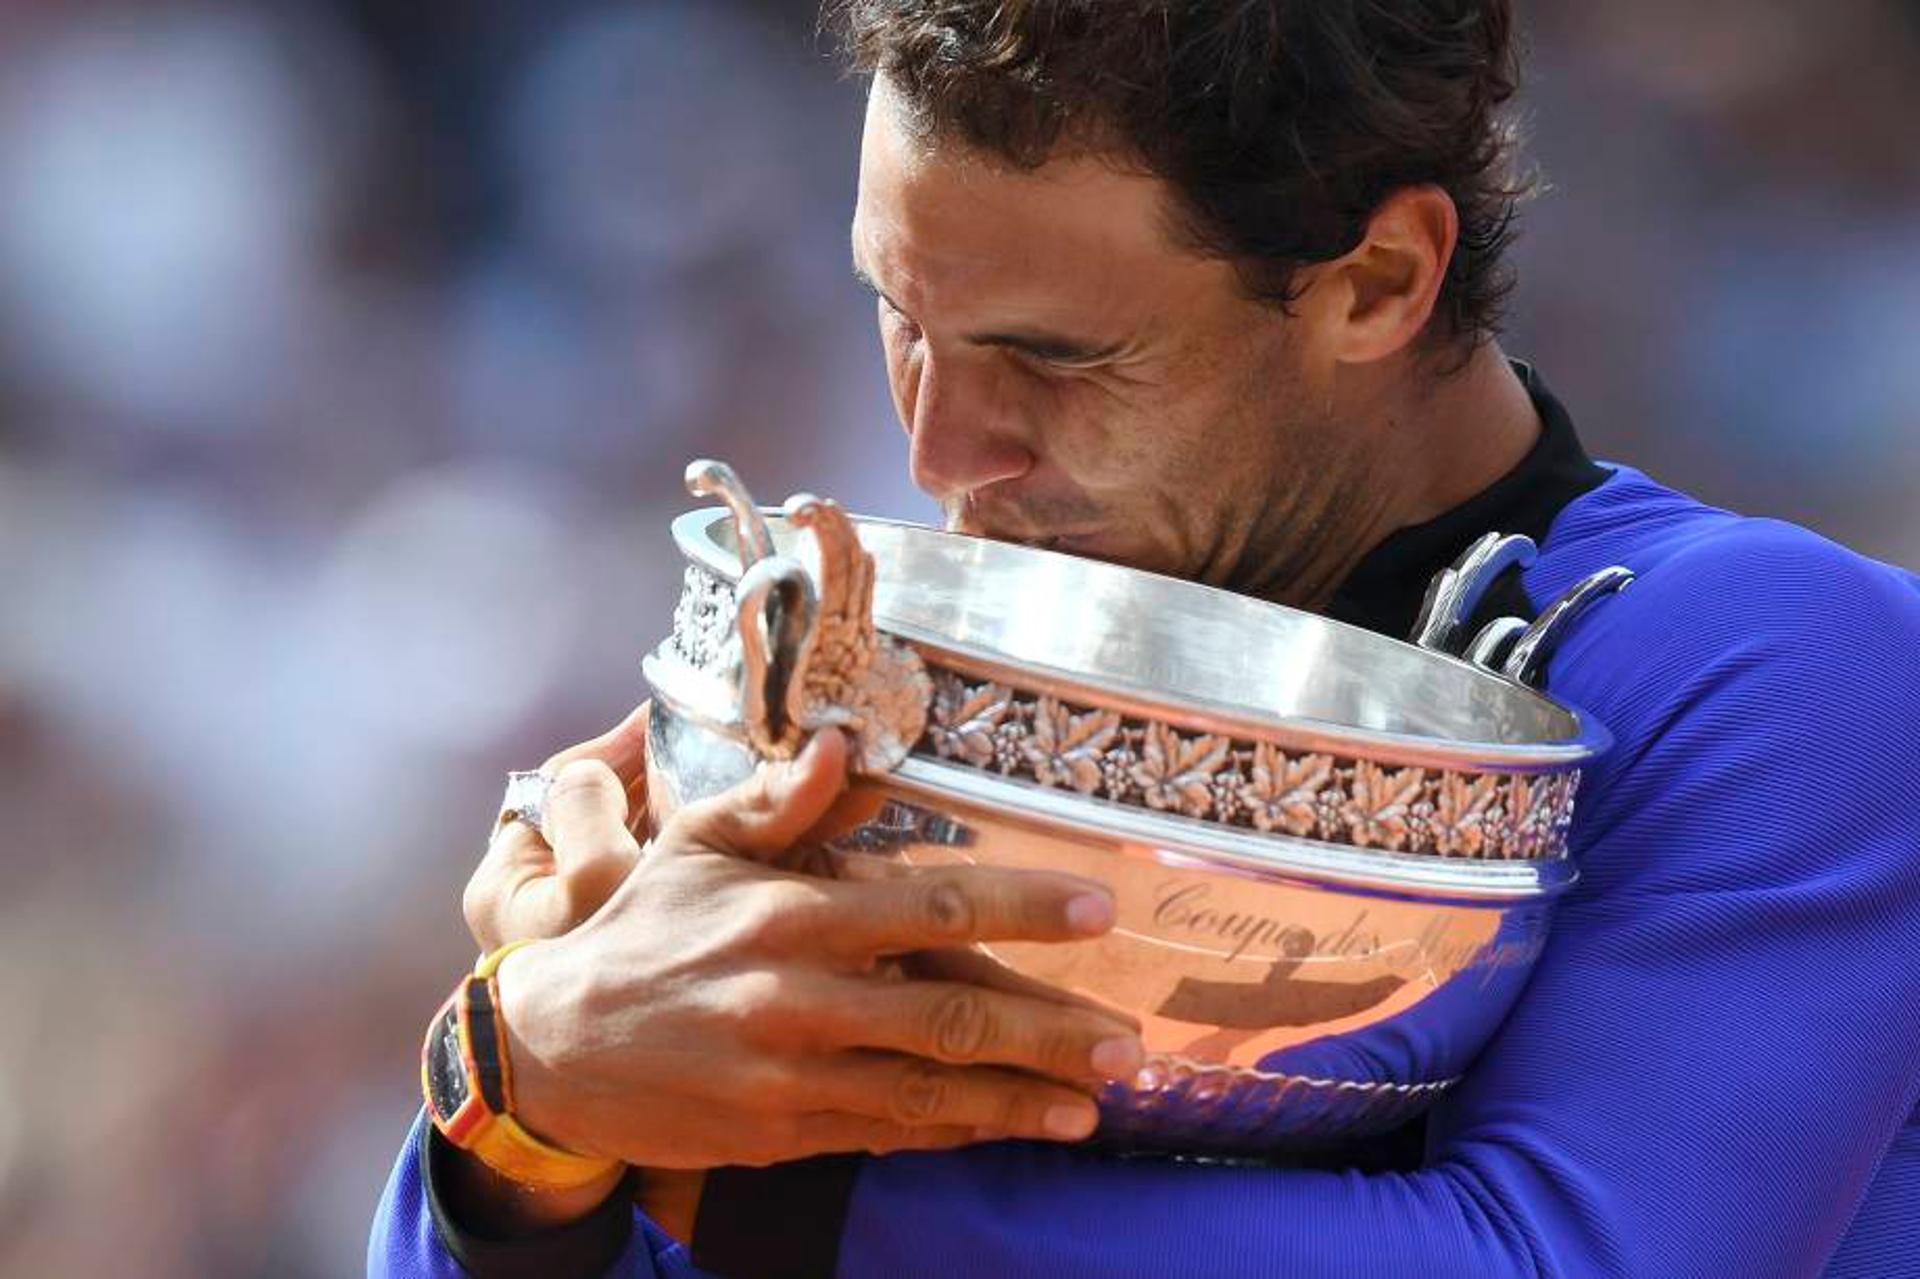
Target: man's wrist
(671,1199)
(467,1076)
(490,1203)
(496,1231)
(539,1091)
(484,1202)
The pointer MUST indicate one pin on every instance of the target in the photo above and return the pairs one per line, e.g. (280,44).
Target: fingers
(623,748)
(587,828)
(911,1097)
(837,1133)
(513,892)
(956,906)
(959,1024)
(976,968)
(764,816)
(520,889)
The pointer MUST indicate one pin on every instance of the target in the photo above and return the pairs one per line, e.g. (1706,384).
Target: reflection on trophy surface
(1334,855)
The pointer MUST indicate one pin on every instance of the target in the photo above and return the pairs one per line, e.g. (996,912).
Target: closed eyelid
(1064,353)
(1060,353)
(867,283)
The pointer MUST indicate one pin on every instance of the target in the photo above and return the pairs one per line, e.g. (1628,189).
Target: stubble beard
(1303,530)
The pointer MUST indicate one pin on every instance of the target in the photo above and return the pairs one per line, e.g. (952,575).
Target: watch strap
(509,1149)
(486,1127)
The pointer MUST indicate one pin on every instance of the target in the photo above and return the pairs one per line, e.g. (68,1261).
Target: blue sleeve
(408,1242)
(1719,1048)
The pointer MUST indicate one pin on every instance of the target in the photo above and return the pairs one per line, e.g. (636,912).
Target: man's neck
(1382,592)
(1473,428)
(1450,439)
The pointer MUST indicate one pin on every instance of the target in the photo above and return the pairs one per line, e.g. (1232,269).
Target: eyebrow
(1053,347)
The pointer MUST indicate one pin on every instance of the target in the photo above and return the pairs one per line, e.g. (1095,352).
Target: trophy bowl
(1334,855)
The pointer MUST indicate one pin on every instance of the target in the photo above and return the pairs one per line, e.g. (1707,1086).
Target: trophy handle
(810,654)
(1527,660)
(1506,645)
(848,675)
(1495,640)
(1455,592)
(776,610)
(709,478)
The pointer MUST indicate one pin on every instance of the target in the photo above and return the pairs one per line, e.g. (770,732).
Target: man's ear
(1386,287)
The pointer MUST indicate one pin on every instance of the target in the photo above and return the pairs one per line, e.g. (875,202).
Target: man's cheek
(903,382)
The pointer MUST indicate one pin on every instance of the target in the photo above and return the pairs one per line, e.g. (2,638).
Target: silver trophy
(1335,855)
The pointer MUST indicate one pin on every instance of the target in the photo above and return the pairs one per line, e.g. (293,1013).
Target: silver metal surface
(1527,661)
(1163,648)
(1334,855)
(1456,592)
(1495,640)
(525,799)
(709,478)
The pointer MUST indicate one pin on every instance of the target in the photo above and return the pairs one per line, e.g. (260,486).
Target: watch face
(447,1087)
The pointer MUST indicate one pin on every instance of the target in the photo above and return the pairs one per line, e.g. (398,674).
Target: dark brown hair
(1280,124)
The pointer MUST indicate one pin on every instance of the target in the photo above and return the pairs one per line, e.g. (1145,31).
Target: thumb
(764,816)
(586,824)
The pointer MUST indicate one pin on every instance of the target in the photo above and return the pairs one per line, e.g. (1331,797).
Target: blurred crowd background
(350,353)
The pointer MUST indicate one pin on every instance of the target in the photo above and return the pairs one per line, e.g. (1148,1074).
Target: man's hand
(716,1010)
(525,887)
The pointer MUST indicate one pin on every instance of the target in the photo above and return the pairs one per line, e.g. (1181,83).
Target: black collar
(1384,592)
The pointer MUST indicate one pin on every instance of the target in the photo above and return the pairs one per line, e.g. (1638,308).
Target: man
(1210,288)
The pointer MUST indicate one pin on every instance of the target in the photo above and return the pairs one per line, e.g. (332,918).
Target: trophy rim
(1586,740)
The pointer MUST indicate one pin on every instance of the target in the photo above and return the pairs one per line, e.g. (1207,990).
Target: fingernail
(1090,913)
(1070,1123)
(1119,1058)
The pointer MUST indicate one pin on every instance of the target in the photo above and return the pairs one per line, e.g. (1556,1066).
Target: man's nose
(965,432)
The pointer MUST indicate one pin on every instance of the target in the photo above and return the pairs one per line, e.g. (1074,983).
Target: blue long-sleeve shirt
(1715,1070)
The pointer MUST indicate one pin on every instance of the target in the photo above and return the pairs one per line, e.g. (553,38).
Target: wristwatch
(468,1083)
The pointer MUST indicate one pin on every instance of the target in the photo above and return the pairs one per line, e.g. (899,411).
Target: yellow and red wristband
(483,1123)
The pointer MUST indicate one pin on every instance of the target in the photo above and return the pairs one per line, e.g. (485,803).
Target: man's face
(1070,376)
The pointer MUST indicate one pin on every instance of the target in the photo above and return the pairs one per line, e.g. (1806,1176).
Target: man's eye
(1047,362)
(907,329)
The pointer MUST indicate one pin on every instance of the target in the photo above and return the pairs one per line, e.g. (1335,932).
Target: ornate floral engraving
(1227,788)
(1460,809)
(703,634)
(1524,817)
(1380,803)
(1566,788)
(1098,752)
(1176,771)
(1065,749)
(964,717)
(1284,791)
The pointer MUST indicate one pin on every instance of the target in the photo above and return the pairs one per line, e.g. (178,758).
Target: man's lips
(1090,542)
(1093,545)
(1080,537)
(1045,541)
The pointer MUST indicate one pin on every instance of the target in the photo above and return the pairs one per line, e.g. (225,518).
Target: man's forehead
(933,214)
